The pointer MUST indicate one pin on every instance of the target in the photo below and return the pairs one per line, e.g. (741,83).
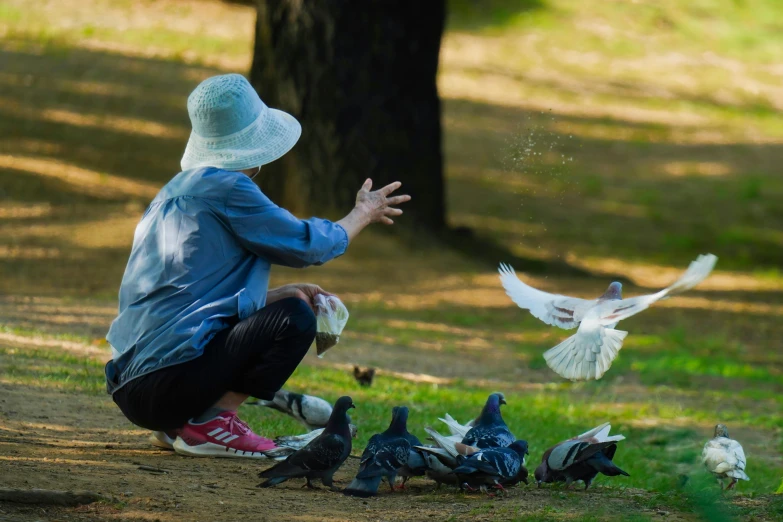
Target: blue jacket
(201,256)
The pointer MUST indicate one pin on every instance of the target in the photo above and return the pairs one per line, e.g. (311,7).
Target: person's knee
(301,317)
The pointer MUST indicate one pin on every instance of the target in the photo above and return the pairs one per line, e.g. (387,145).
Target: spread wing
(610,313)
(571,452)
(557,310)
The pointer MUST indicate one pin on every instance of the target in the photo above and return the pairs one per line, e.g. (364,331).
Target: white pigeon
(589,353)
(724,457)
(311,411)
(456,429)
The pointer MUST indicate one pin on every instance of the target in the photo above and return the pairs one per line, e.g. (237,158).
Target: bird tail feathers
(364,488)
(282,470)
(447,443)
(738,474)
(272,482)
(455,427)
(584,357)
(601,434)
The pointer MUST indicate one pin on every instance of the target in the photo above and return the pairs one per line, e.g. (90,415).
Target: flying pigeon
(311,411)
(321,457)
(589,353)
(494,467)
(581,458)
(724,457)
(490,431)
(384,455)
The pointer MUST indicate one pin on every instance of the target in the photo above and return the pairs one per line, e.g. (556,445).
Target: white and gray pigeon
(724,457)
(581,458)
(444,455)
(496,467)
(322,457)
(311,411)
(589,353)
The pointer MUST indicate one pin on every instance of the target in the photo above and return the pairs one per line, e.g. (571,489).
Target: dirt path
(59,440)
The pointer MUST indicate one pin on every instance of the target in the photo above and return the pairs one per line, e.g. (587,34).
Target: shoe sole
(209,449)
(162,444)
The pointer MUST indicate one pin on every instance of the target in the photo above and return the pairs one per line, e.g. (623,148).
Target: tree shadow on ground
(108,119)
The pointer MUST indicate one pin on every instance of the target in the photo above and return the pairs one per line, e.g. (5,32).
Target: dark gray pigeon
(384,455)
(495,467)
(581,458)
(417,460)
(320,458)
(489,430)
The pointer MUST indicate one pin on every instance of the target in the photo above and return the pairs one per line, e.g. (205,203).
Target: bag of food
(331,315)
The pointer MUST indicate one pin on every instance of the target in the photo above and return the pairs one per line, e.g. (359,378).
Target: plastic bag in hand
(331,315)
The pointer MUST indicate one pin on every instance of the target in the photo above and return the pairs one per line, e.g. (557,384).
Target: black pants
(256,356)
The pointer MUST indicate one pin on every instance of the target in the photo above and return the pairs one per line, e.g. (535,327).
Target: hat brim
(268,138)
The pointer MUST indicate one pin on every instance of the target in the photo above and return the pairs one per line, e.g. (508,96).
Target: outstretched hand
(376,205)
(373,207)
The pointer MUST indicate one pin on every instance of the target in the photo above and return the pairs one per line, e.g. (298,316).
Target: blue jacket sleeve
(277,235)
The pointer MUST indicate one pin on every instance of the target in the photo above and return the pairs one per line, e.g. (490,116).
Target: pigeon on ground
(311,411)
(288,444)
(417,459)
(320,458)
(364,377)
(490,431)
(457,429)
(724,457)
(581,458)
(495,467)
(444,456)
(384,455)
(589,353)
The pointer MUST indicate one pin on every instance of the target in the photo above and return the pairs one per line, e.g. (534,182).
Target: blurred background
(579,141)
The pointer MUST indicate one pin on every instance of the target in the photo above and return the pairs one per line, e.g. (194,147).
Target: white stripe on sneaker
(224,435)
(229,439)
(215,432)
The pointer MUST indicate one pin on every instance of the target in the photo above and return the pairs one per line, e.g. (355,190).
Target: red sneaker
(224,436)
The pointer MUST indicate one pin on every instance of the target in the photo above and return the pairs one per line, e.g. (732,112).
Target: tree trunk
(360,75)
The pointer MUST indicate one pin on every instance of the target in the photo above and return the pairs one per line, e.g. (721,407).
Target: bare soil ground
(62,440)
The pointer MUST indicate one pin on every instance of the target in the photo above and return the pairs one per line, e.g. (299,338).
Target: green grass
(655,456)
(638,133)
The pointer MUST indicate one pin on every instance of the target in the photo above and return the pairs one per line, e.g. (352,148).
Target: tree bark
(360,75)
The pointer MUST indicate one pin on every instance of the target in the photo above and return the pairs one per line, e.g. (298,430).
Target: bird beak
(502,401)
(352,406)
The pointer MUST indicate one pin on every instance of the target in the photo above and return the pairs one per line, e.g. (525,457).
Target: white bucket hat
(233,129)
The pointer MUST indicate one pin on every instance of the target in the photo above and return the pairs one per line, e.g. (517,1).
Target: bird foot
(309,485)
(467,487)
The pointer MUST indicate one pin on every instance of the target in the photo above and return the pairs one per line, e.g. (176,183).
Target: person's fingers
(392,211)
(391,187)
(367,185)
(386,221)
(396,200)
